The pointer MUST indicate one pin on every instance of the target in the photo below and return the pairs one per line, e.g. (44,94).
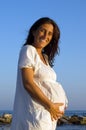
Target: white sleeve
(26,57)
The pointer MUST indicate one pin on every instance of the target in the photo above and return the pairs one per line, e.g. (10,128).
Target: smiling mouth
(42,40)
(45,40)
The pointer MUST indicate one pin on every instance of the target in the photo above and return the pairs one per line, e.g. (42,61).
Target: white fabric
(29,114)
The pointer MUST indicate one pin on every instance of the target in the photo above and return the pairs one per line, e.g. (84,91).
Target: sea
(62,127)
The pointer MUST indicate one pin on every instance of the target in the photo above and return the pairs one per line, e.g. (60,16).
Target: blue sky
(16,17)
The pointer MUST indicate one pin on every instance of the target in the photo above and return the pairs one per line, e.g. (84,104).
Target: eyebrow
(45,29)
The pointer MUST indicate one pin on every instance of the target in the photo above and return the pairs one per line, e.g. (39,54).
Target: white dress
(29,114)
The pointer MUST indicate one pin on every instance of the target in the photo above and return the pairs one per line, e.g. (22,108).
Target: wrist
(49,105)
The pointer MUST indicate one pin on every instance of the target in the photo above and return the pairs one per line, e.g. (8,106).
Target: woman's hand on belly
(55,111)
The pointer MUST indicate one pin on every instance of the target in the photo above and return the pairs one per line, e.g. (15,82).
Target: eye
(42,30)
(50,34)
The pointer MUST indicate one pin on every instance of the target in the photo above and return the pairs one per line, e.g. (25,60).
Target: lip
(41,40)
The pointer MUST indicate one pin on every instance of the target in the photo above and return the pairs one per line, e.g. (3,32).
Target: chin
(41,45)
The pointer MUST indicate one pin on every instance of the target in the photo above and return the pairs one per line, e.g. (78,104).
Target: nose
(45,34)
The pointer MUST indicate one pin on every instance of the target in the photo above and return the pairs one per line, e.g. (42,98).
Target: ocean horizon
(67,112)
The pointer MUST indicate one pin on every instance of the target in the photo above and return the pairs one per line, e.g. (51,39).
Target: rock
(83,121)
(74,119)
(6,119)
(7,116)
(63,120)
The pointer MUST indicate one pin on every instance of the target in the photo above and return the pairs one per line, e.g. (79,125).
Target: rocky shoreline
(74,120)
(6,119)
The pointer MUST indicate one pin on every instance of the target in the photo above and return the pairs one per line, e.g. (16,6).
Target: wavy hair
(53,47)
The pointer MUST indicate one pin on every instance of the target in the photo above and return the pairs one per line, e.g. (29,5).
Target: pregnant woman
(39,100)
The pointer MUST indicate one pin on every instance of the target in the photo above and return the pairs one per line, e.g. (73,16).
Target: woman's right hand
(55,111)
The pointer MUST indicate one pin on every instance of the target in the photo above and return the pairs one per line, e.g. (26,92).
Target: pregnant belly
(55,92)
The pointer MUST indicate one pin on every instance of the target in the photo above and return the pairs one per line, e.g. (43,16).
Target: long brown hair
(52,48)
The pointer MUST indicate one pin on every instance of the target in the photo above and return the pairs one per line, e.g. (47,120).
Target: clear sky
(16,17)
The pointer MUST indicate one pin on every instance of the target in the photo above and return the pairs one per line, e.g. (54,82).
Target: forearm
(38,95)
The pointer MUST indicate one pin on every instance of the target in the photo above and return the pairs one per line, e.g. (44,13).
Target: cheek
(36,36)
(50,38)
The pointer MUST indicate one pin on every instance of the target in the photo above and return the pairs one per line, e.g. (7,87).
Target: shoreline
(75,115)
(6,119)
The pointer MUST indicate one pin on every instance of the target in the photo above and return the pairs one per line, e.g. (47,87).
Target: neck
(39,51)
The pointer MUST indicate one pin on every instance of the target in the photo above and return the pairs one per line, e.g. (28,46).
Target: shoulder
(27,49)
(26,56)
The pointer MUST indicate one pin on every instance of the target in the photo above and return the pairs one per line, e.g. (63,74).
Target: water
(5,128)
(71,127)
(65,127)
(76,112)
(62,127)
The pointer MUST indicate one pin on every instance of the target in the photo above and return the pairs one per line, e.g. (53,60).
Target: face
(43,35)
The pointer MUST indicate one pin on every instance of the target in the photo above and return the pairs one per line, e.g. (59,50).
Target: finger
(60,115)
(60,104)
(60,112)
(52,118)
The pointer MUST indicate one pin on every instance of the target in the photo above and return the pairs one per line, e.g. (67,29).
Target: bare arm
(35,92)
